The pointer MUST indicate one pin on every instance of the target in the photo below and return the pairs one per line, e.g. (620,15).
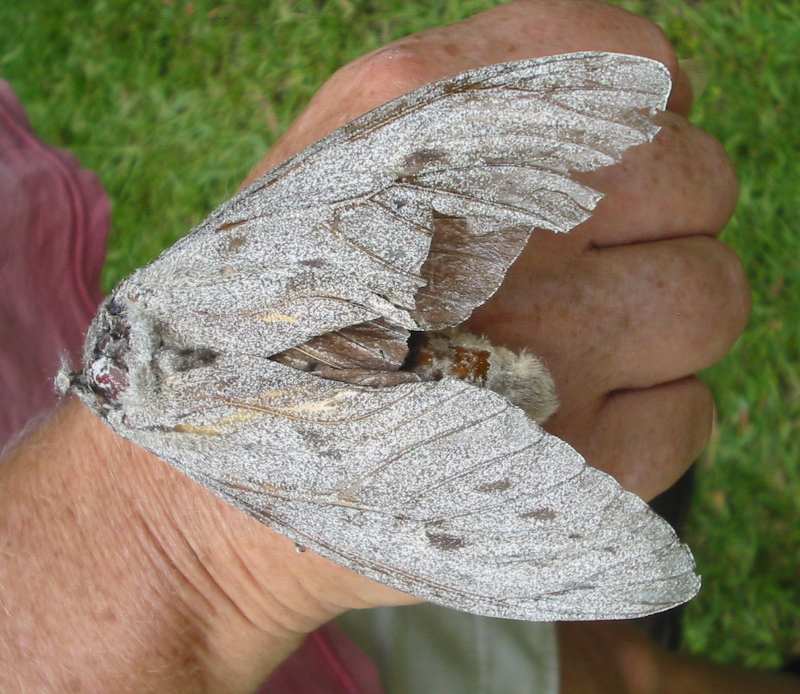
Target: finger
(681,184)
(514,31)
(683,95)
(658,312)
(645,438)
(682,304)
(524,29)
(621,317)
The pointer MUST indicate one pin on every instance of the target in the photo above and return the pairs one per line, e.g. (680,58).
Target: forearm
(110,573)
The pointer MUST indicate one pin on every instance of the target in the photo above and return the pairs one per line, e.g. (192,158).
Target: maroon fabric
(53,229)
(54,220)
(327,663)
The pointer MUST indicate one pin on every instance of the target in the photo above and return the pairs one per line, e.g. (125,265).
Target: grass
(746,519)
(171,102)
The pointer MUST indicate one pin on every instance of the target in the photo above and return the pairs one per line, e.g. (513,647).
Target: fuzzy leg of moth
(520,378)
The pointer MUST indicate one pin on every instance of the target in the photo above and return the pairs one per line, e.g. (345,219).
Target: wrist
(118,567)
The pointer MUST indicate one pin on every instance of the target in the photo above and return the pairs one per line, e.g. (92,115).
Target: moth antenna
(66,379)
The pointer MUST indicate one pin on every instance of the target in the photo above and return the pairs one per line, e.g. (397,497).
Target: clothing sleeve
(54,220)
(432,649)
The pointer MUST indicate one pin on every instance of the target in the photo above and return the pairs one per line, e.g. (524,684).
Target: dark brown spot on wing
(235,243)
(498,486)
(446,541)
(540,514)
(421,160)
(314,262)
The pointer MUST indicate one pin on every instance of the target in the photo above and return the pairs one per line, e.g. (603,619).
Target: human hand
(626,307)
(630,304)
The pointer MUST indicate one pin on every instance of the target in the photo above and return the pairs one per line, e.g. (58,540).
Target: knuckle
(711,301)
(700,171)
(389,72)
(691,406)
(712,280)
(701,416)
(737,300)
(717,167)
(567,25)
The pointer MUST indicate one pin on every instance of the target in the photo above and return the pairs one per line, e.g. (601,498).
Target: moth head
(105,375)
(129,352)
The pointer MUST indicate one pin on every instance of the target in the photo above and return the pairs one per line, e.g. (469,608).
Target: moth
(294,353)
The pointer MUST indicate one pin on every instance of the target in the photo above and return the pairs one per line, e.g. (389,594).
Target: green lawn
(171,102)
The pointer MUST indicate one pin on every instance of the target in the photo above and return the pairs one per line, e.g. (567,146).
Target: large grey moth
(289,352)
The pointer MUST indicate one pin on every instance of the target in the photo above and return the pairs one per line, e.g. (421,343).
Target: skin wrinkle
(196,625)
(264,621)
(225,604)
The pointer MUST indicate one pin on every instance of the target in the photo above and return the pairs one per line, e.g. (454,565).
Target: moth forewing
(267,353)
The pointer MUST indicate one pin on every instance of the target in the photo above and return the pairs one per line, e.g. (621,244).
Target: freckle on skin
(107,615)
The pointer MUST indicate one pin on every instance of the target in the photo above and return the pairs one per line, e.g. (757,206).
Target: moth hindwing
(265,354)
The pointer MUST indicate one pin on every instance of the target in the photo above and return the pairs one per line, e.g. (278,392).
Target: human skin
(122,574)
(616,658)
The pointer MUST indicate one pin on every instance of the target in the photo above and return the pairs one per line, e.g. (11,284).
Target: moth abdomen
(521,378)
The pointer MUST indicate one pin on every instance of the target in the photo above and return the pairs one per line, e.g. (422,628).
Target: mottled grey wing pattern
(340,234)
(440,489)
(405,219)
